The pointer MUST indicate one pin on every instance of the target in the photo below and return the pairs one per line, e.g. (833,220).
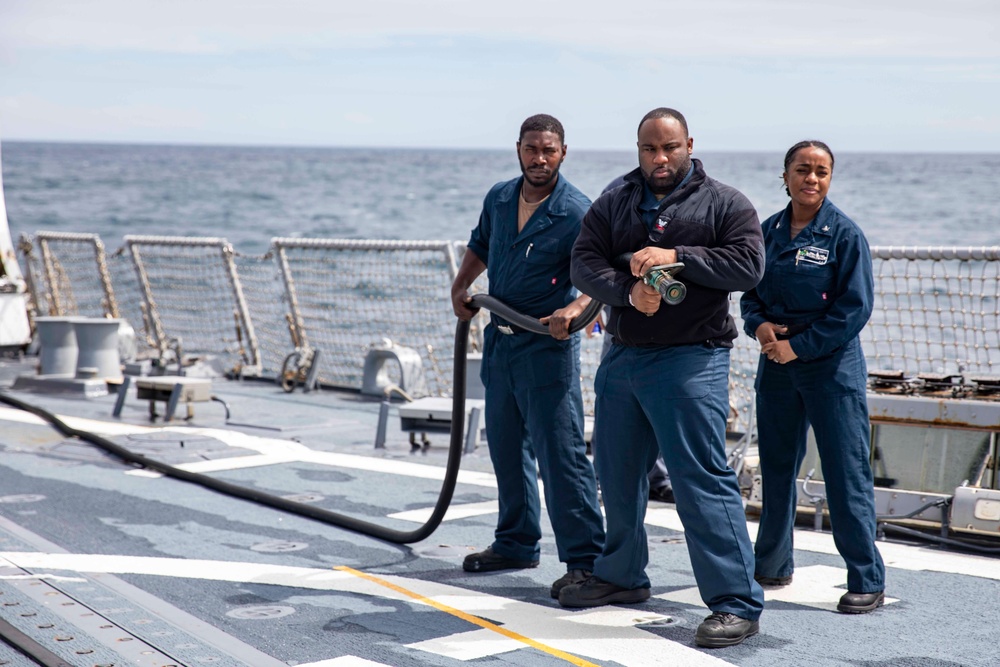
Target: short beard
(681,174)
(552,177)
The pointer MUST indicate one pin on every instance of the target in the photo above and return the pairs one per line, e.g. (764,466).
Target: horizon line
(185,144)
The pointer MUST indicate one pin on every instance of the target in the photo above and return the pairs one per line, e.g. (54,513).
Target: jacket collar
(820,227)
(636,179)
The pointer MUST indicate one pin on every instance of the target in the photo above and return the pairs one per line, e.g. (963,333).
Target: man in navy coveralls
(534,406)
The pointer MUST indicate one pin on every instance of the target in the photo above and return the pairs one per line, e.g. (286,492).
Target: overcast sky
(863,75)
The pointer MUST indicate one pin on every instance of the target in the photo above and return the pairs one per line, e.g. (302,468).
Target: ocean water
(249,195)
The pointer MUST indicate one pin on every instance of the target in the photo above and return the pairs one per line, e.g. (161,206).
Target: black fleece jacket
(716,233)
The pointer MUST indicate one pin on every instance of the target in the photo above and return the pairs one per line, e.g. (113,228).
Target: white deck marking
(41,577)
(817,586)
(455,511)
(228,463)
(902,556)
(107,428)
(577,633)
(345,661)
(275,450)
(618,617)
(270,451)
(469,645)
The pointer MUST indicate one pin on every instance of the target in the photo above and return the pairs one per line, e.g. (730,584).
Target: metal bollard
(58,347)
(97,339)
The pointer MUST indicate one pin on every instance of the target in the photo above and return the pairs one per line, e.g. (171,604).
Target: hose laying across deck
(309,511)
(246,493)
(937,539)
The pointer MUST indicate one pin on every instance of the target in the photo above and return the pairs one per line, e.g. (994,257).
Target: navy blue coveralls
(820,285)
(534,406)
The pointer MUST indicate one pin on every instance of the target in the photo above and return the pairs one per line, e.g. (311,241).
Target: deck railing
(937,309)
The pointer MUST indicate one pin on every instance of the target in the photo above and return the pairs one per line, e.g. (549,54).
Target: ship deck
(103,563)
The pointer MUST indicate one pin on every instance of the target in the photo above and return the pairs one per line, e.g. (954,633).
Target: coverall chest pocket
(809,287)
(542,251)
(544,261)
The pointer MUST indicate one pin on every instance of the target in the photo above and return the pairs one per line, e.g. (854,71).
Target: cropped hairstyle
(542,123)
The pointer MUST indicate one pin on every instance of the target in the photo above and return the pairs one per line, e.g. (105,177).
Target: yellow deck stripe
(475,620)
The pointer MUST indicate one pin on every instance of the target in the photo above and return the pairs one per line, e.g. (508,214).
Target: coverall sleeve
(590,262)
(736,262)
(752,311)
(852,305)
(479,242)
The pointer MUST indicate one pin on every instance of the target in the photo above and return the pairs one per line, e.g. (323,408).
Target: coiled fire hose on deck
(319,514)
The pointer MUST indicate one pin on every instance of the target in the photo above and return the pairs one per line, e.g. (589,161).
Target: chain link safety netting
(936,309)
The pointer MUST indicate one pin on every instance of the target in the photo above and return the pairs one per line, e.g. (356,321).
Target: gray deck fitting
(122,393)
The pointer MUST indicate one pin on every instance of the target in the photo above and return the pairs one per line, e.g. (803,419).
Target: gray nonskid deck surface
(234,582)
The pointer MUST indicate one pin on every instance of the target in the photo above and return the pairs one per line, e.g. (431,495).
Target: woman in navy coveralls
(806,313)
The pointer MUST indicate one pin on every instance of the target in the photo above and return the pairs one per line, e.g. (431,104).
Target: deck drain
(655,621)
(263,612)
(444,551)
(279,546)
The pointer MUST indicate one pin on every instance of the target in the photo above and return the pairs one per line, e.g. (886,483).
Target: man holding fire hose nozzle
(663,387)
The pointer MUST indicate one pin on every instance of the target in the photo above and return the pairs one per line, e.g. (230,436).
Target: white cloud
(399,72)
(923,28)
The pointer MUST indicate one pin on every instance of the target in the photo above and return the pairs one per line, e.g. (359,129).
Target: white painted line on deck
(345,661)
(468,645)
(228,463)
(493,628)
(902,556)
(817,586)
(41,577)
(613,617)
(455,511)
(572,632)
(105,428)
(270,451)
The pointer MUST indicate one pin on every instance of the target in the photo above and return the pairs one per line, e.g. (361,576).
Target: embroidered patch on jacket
(813,255)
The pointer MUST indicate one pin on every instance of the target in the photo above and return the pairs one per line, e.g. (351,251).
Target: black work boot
(488,560)
(860,603)
(772,581)
(723,629)
(571,577)
(595,592)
